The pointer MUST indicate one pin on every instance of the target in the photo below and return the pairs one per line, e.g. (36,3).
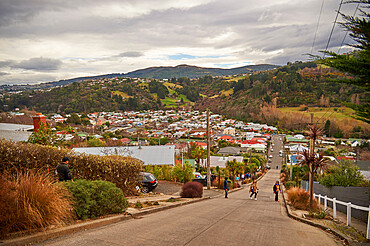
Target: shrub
(300,199)
(346,173)
(31,200)
(96,198)
(119,170)
(192,190)
(290,184)
(138,205)
(95,142)
(183,173)
(319,214)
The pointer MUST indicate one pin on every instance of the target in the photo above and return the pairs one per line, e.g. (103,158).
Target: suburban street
(218,221)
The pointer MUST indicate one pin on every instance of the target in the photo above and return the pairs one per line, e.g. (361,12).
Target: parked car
(197,175)
(148,182)
(281,154)
(270,156)
(203,180)
(272,150)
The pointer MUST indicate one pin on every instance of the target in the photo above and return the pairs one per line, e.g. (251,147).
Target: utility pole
(208,154)
(310,176)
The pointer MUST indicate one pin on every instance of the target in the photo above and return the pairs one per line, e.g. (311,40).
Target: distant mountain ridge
(167,72)
(161,72)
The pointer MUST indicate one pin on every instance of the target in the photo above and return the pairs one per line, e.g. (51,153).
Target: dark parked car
(203,180)
(148,182)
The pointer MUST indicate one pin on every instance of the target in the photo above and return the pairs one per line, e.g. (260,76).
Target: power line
(332,29)
(317,26)
(354,14)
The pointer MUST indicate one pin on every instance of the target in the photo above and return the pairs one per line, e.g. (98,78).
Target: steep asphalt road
(219,221)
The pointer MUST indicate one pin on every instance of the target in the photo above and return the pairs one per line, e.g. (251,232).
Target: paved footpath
(219,221)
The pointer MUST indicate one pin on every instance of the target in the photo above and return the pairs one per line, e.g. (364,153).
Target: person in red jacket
(276,189)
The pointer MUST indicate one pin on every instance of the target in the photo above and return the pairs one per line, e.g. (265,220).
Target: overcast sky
(43,40)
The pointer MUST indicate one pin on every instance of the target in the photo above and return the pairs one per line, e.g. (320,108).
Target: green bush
(180,173)
(290,184)
(183,173)
(95,142)
(346,173)
(119,170)
(96,198)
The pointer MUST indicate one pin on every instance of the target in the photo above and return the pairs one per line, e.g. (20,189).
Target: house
(150,155)
(200,144)
(229,151)
(222,160)
(229,131)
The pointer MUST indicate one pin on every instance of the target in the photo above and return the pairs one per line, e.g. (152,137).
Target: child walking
(253,189)
(276,190)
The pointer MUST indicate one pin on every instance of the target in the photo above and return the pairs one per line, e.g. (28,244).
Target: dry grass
(300,199)
(31,200)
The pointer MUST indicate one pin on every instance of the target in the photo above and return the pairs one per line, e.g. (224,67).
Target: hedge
(92,199)
(122,171)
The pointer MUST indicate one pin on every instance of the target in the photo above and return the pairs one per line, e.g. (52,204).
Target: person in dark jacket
(276,190)
(63,170)
(226,187)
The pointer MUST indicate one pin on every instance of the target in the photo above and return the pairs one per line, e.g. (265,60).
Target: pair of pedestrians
(254,190)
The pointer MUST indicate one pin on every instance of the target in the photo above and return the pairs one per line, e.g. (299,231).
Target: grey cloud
(4,73)
(131,54)
(6,63)
(39,64)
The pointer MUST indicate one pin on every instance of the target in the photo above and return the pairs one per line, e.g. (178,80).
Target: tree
(327,128)
(45,136)
(234,167)
(357,62)
(314,162)
(346,173)
(198,154)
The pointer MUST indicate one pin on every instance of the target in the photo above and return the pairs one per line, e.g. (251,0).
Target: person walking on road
(63,170)
(276,189)
(226,187)
(253,190)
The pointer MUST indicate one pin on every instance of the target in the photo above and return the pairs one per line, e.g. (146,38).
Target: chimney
(38,120)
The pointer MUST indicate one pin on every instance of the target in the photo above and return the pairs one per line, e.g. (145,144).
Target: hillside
(194,71)
(254,96)
(151,72)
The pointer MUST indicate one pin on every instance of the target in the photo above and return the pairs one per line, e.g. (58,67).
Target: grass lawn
(227,93)
(235,78)
(122,94)
(171,102)
(340,114)
(171,85)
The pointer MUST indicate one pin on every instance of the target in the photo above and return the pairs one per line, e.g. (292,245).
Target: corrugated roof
(150,155)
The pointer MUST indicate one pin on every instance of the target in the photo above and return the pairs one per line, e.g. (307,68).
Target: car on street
(203,180)
(280,154)
(197,175)
(148,182)
(270,156)
(272,150)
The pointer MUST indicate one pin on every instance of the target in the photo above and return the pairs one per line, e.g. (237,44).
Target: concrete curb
(327,229)
(42,236)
